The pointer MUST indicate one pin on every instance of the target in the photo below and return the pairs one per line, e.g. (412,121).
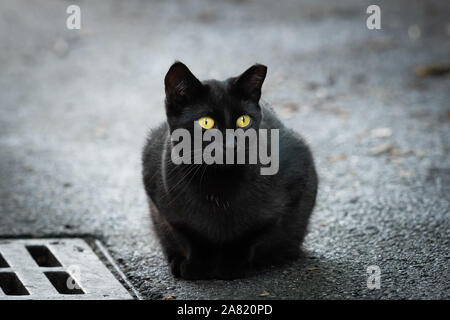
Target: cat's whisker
(191,169)
(185,186)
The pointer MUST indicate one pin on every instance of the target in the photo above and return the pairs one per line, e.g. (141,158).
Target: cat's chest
(235,198)
(241,204)
(223,216)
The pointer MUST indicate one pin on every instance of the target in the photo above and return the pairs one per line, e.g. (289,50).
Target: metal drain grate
(55,269)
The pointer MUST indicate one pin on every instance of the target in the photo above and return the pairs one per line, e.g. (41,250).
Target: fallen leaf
(340,112)
(381,132)
(380,149)
(100,132)
(312,268)
(432,70)
(264,294)
(420,153)
(400,152)
(338,157)
(171,297)
(406,173)
(398,161)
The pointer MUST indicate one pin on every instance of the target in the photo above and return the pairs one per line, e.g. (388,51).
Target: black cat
(226,221)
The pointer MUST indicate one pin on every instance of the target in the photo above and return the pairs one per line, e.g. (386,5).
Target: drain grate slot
(63,282)
(43,256)
(11,285)
(3,263)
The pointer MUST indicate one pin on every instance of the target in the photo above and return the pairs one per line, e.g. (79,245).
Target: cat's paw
(191,270)
(175,266)
(233,271)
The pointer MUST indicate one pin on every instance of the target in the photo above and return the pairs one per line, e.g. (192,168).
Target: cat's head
(229,104)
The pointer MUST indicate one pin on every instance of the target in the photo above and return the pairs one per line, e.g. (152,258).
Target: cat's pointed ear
(180,84)
(250,82)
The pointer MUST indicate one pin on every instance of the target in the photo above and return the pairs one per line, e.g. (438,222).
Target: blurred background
(374,105)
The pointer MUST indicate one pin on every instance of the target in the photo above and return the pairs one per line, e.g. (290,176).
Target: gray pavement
(76,106)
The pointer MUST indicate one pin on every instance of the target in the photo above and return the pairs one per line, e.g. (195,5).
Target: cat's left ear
(250,82)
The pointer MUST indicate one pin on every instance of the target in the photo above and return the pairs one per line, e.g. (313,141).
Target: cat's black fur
(225,221)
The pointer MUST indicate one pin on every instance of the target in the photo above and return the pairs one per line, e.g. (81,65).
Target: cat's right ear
(250,82)
(180,84)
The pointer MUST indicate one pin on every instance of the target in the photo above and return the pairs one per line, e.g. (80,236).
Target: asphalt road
(76,106)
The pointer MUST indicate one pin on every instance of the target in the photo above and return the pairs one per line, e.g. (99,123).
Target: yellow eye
(206,122)
(243,121)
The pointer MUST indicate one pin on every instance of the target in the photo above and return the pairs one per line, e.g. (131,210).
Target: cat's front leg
(181,267)
(193,268)
(235,264)
(196,269)
(232,271)
(196,262)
